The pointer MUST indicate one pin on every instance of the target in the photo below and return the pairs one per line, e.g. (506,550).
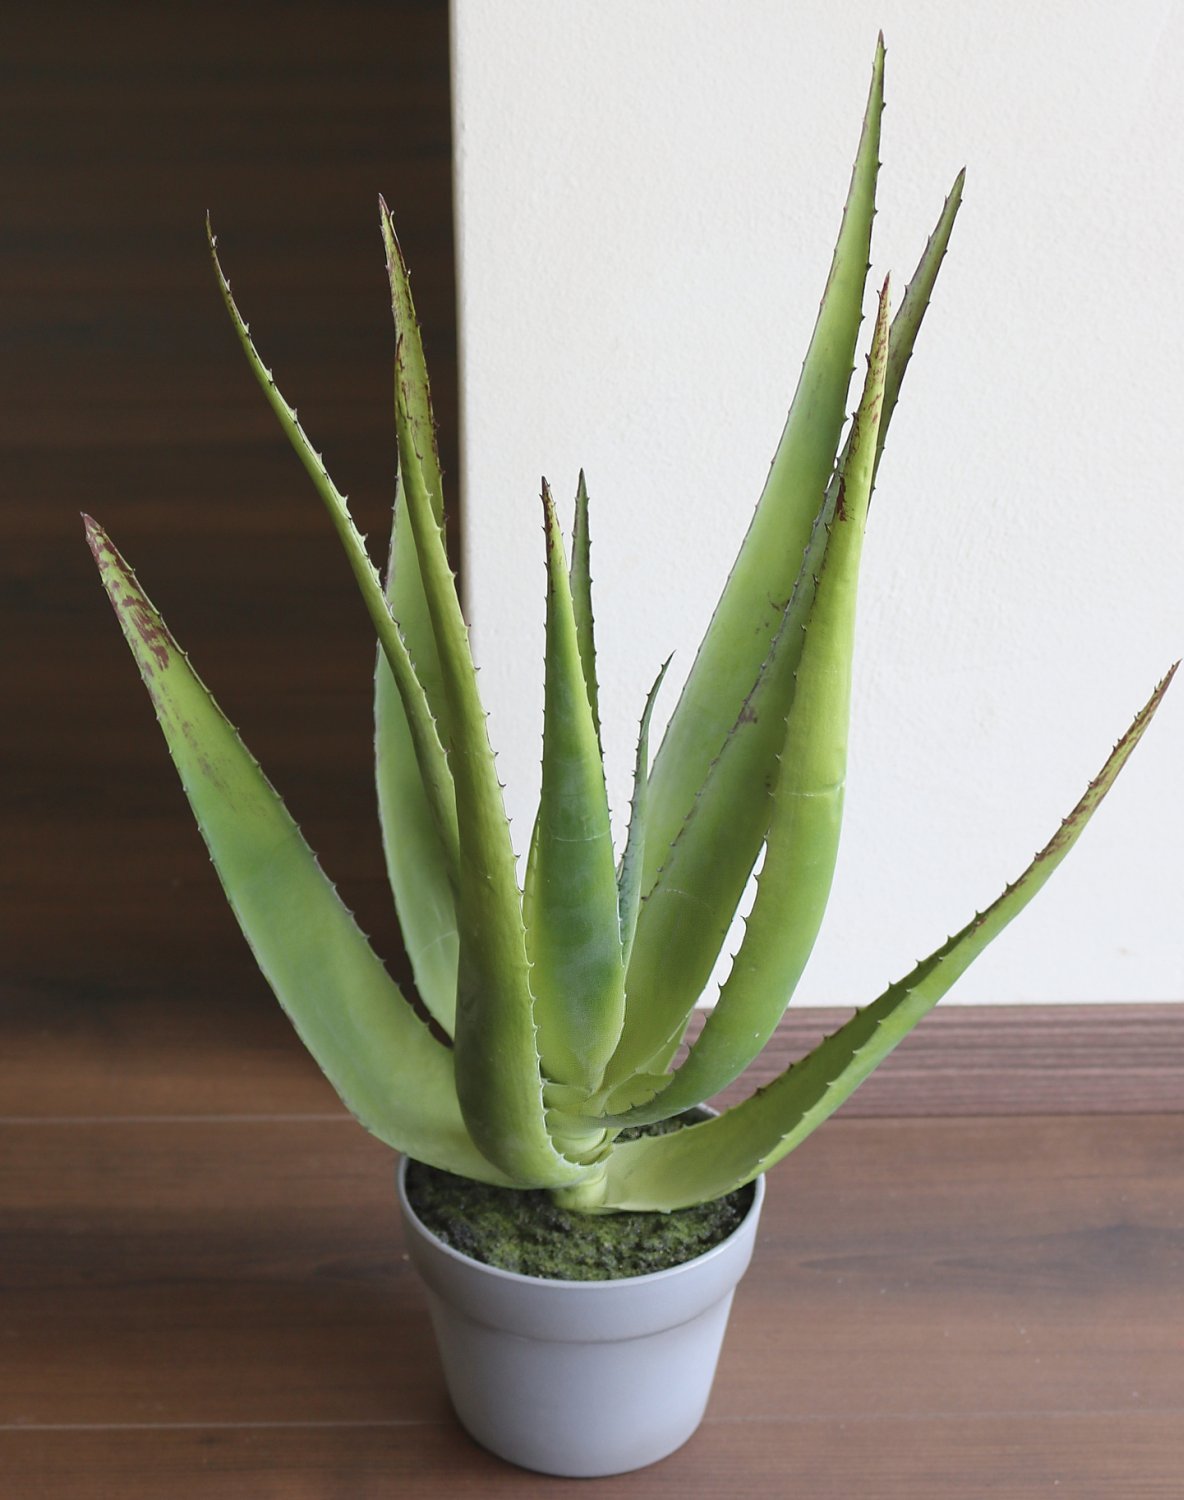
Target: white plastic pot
(579,1378)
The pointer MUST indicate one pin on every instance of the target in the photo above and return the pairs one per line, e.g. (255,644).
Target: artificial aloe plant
(562,1003)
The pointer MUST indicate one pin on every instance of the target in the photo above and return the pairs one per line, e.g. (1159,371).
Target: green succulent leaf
(770,560)
(498,1069)
(684,919)
(422,878)
(413,391)
(629,876)
(428,750)
(581,594)
(714,852)
(705,1161)
(913,307)
(420,870)
(574,939)
(803,839)
(389,1070)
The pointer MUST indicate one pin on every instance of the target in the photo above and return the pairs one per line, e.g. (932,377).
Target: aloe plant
(559,1007)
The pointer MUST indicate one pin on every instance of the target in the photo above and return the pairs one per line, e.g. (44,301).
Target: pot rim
(583,1287)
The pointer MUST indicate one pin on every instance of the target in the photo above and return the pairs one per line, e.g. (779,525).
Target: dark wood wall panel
(125,395)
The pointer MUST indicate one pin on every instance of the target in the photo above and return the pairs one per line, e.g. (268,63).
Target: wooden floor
(204,1292)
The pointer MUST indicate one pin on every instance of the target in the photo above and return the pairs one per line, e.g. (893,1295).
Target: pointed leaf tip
(781,537)
(95,539)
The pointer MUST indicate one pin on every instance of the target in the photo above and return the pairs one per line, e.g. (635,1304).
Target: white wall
(648,191)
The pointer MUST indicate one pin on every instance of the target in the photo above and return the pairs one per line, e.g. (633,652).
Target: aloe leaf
(629,878)
(418,866)
(803,839)
(498,1075)
(404,583)
(581,594)
(574,940)
(770,560)
(715,850)
(380,1057)
(429,752)
(915,303)
(707,1160)
(684,918)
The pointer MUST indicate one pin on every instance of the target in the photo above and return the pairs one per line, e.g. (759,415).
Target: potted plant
(549,1069)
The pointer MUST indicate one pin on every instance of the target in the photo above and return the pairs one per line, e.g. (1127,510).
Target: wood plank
(221,1272)
(1111,1456)
(169,1045)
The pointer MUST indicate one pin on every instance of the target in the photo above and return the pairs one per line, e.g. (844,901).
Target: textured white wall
(648,192)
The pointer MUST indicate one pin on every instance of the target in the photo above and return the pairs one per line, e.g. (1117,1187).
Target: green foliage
(563,1004)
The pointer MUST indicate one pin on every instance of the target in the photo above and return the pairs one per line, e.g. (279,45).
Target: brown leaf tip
(95,537)
(126,597)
